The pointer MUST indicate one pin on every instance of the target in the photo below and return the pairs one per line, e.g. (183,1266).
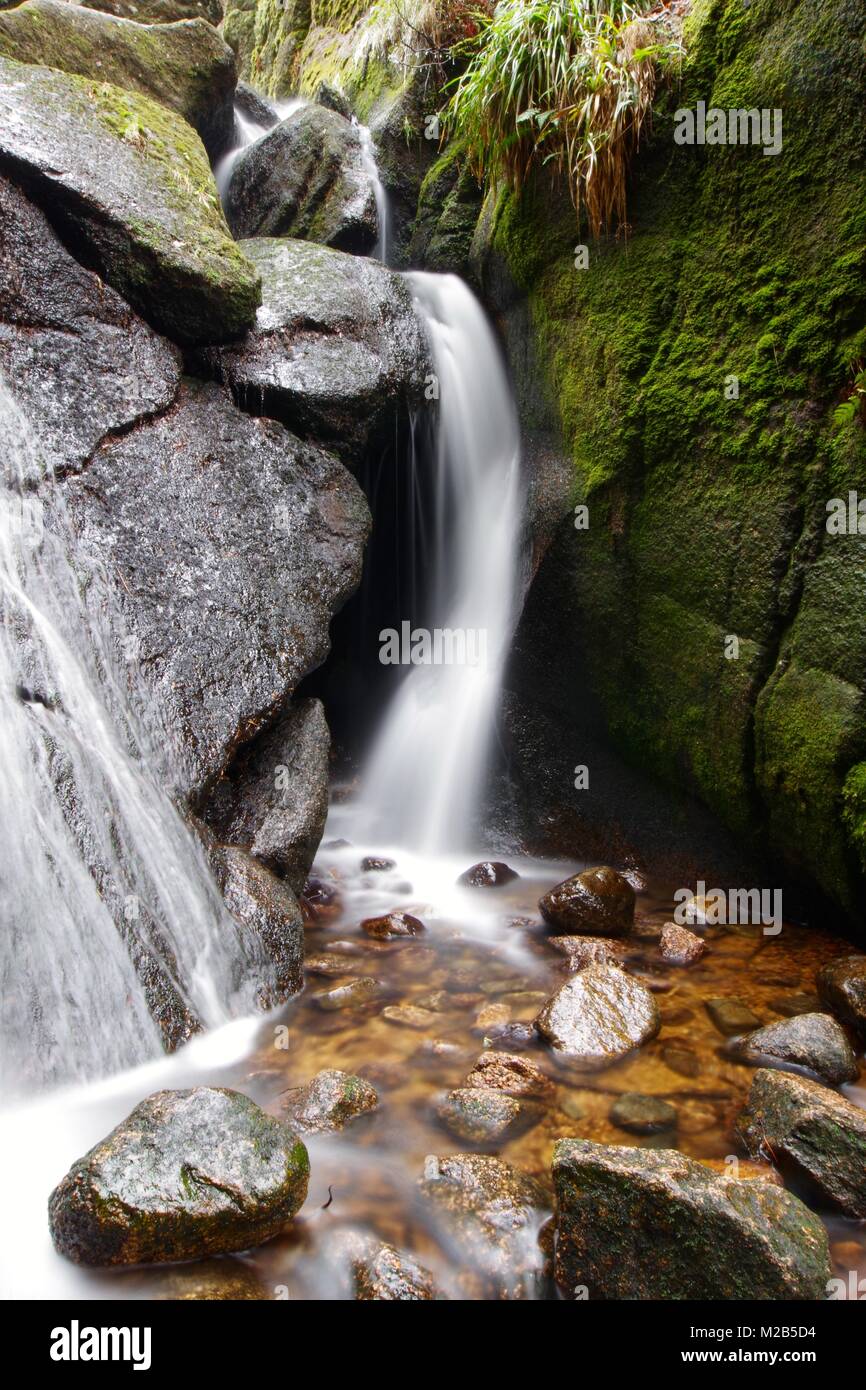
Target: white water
(247,132)
(92,844)
(383,216)
(427,768)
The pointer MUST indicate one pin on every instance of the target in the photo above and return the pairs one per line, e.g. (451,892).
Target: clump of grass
(563,82)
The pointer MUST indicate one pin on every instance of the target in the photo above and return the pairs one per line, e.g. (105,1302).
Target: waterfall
(427,768)
(97,867)
(247,132)
(368,158)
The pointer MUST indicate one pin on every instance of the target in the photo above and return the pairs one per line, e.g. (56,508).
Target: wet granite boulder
(598,1016)
(129,183)
(255,107)
(80,363)
(488,874)
(841,987)
(336,349)
(185,1175)
(273,798)
(599,902)
(185,66)
(814,1041)
(481,1115)
(261,903)
(371,1270)
(580,951)
(490,1214)
(810,1130)
(308,179)
(226,546)
(635,1223)
(330,1101)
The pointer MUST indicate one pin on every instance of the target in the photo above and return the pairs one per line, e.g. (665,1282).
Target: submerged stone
(732,1016)
(642,1114)
(378,1271)
(635,1223)
(352,995)
(186,1174)
(581,951)
(393,925)
(485,1116)
(813,1131)
(516,1076)
(599,902)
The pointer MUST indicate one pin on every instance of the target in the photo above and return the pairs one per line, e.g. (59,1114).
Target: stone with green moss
(135,195)
(691,371)
(159,11)
(186,66)
(637,1223)
(330,1101)
(185,1175)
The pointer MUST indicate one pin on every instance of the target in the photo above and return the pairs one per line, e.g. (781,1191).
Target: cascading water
(247,132)
(106,898)
(427,768)
(383,214)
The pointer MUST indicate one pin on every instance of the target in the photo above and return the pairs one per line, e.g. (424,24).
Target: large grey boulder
(813,1131)
(129,184)
(185,66)
(652,1224)
(600,1015)
(186,1174)
(306,178)
(335,348)
(80,363)
(274,797)
(225,546)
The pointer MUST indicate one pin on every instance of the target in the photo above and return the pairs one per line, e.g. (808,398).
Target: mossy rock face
(449,204)
(652,1224)
(187,1174)
(691,371)
(185,66)
(811,1131)
(158,11)
(136,197)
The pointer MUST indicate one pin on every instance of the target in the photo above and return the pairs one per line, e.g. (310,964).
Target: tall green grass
(563,82)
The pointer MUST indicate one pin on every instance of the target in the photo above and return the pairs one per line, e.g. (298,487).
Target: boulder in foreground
(186,1174)
(652,1224)
(600,1015)
(813,1131)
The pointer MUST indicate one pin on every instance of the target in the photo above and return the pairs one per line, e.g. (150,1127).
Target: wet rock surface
(581,951)
(679,946)
(185,66)
(273,798)
(488,874)
(732,1016)
(649,1223)
(352,995)
(599,1015)
(136,194)
(261,902)
(393,925)
(80,362)
(380,1272)
(187,1174)
(841,986)
(330,1101)
(251,541)
(599,902)
(306,179)
(516,1076)
(493,1213)
(814,1041)
(812,1130)
(336,349)
(485,1116)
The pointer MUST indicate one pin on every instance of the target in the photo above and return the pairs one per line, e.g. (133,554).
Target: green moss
(854,810)
(707,512)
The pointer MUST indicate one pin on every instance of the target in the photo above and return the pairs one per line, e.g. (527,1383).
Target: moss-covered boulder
(306,178)
(337,352)
(811,1131)
(330,1101)
(691,370)
(186,66)
(652,1224)
(447,210)
(81,364)
(135,195)
(186,1174)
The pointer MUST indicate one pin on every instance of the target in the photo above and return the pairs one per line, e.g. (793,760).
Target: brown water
(482,948)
